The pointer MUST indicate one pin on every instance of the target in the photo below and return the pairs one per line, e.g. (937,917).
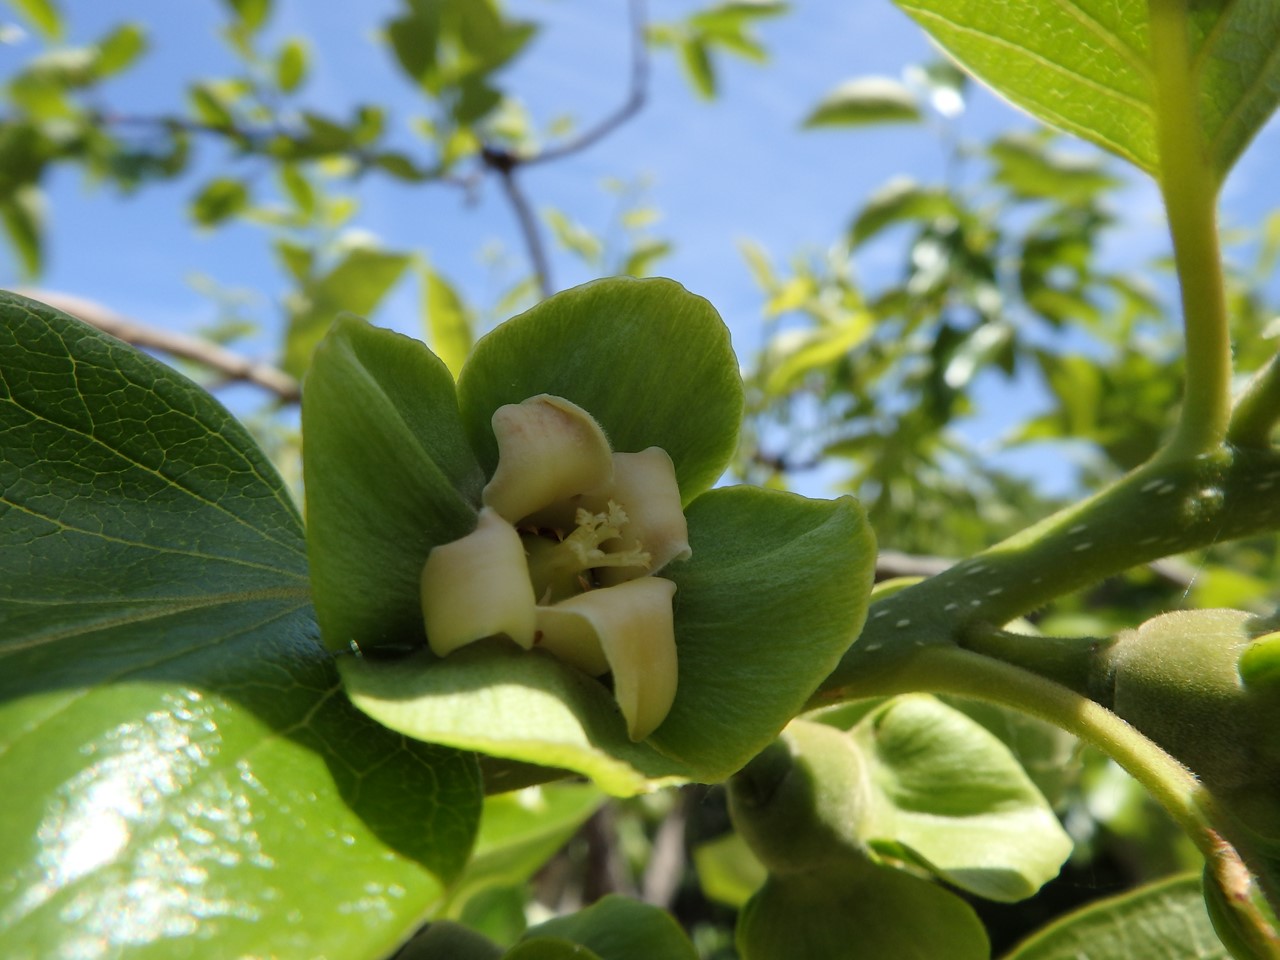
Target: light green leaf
(728,871)
(218,200)
(639,355)
(948,792)
(816,350)
(43,14)
(505,702)
(901,199)
(865,100)
(388,475)
(865,912)
(356,285)
(1165,920)
(183,775)
(519,832)
(119,49)
(252,14)
(698,67)
(617,928)
(1088,67)
(23,216)
(291,65)
(450,321)
(1029,168)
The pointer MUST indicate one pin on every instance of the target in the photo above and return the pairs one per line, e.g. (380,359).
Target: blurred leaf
(642,258)
(44,14)
(23,215)
(1165,920)
(218,200)
(119,49)
(1029,169)
(356,285)
(296,259)
(734,15)
(617,928)
(298,188)
(698,67)
(816,350)
(574,236)
(252,14)
(901,199)
(450,322)
(213,102)
(728,871)
(291,65)
(865,100)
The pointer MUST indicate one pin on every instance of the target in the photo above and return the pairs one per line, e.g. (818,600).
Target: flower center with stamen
(564,566)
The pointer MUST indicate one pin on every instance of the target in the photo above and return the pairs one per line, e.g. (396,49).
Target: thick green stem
(1189,185)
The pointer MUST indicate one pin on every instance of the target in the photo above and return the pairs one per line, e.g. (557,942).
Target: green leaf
(183,775)
(728,871)
(119,49)
(639,355)
(775,592)
(1029,169)
(1165,920)
(519,832)
(618,928)
(549,948)
(865,100)
(43,14)
(218,200)
(291,65)
(356,285)
(445,940)
(23,216)
(252,14)
(504,702)
(388,475)
(899,200)
(449,320)
(949,792)
(867,912)
(1088,67)
(698,67)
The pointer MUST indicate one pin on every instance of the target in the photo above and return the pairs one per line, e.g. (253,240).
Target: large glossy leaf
(949,793)
(617,928)
(649,360)
(1162,921)
(1087,66)
(183,775)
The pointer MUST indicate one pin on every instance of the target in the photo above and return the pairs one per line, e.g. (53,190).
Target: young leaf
(182,772)
(899,200)
(450,321)
(291,65)
(949,792)
(119,49)
(218,200)
(1165,920)
(862,101)
(44,14)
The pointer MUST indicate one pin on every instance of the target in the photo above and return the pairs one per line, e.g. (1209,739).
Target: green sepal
(1165,919)
(863,910)
(446,940)
(182,774)
(651,362)
(948,793)
(619,928)
(389,475)
(775,592)
(549,948)
(496,699)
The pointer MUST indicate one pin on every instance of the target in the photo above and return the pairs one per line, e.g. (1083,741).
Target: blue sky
(735,169)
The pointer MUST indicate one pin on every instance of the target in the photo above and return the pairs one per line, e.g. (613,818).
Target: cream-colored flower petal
(478,587)
(569,635)
(635,628)
(644,485)
(548,450)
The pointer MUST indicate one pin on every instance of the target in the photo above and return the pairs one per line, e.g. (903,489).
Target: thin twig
(504,164)
(206,353)
(634,103)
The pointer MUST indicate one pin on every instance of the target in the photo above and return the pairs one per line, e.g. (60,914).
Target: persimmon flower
(564,556)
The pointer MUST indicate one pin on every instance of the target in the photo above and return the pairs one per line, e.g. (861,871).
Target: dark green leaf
(550,948)
(183,775)
(862,101)
(1165,920)
(218,200)
(616,928)
(445,940)
(388,474)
